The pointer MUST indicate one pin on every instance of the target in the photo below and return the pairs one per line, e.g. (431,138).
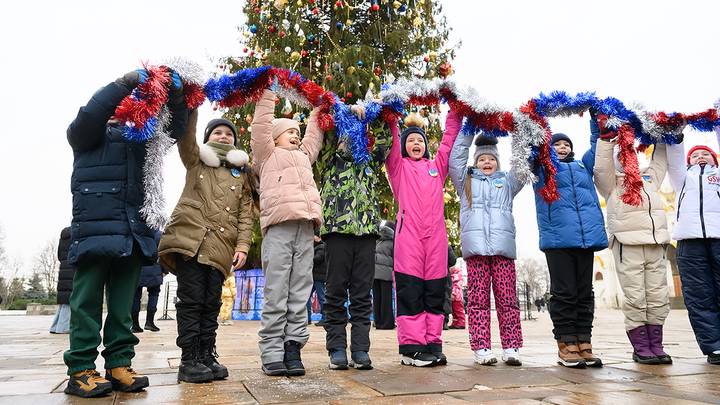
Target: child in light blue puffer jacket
(487,233)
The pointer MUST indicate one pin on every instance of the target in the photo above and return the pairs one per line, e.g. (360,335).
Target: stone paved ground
(31,371)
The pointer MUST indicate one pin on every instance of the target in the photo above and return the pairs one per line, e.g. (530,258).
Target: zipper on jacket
(682,195)
(700,186)
(620,252)
(577,207)
(402,221)
(652,221)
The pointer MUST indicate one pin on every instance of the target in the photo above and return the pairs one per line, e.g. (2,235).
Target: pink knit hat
(280,125)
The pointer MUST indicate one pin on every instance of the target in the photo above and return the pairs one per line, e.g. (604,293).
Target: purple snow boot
(641,346)
(656,343)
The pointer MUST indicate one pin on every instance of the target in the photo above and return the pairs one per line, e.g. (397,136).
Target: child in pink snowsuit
(420,240)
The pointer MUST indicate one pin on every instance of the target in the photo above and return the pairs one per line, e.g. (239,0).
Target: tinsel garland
(139,111)
(153,208)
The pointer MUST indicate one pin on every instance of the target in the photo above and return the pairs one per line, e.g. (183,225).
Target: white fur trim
(208,156)
(237,157)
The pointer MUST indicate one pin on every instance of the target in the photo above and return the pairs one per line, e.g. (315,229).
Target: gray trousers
(287,261)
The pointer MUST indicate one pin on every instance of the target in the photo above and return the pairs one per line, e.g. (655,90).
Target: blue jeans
(319,287)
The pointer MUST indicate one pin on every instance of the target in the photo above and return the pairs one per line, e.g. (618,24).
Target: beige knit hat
(280,125)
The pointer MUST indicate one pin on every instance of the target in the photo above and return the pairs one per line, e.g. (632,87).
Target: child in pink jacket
(420,240)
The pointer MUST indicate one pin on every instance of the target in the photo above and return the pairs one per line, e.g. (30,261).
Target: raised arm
(392,163)
(245,219)
(513,182)
(188,147)
(261,140)
(676,166)
(452,129)
(457,167)
(88,128)
(604,171)
(313,139)
(588,158)
(658,163)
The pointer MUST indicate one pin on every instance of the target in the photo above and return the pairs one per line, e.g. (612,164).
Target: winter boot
(276,369)
(655,332)
(587,354)
(641,346)
(714,357)
(125,379)
(150,322)
(361,360)
(209,351)
(292,360)
(192,369)
(419,359)
(88,384)
(569,355)
(136,324)
(338,360)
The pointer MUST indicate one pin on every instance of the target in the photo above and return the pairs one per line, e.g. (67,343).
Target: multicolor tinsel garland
(139,111)
(531,132)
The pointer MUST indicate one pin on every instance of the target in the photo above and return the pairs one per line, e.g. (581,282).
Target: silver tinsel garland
(153,208)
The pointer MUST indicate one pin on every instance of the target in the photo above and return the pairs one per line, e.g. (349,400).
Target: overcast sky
(661,53)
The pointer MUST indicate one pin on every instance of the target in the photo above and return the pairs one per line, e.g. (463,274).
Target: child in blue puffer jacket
(488,245)
(571,230)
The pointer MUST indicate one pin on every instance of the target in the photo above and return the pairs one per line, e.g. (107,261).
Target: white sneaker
(511,357)
(485,357)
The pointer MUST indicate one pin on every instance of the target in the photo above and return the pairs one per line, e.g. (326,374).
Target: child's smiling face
(415,146)
(289,139)
(487,164)
(562,148)
(222,134)
(701,157)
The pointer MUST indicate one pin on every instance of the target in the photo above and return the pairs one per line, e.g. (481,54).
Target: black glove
(176,95)
(130,80)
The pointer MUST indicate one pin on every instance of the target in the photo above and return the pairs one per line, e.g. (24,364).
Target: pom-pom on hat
(561,137)
(216,123)
(702,147)
(486,145)
(280,125)
(414,125)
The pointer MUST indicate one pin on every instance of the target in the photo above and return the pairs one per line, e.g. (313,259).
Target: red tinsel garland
(152,94)
(627,157)
(194,95)
(549,191)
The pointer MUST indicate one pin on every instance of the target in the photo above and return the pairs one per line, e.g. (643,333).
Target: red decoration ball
(375,7)
(272,29)
(338,4)
(245,50)
(342,99)
(315,11)
(348,94)
(304,53)
(242,130)
(257,10)
(328,78)
(426,59)
(311,1)
(377,71)
(277,100)
(281,34)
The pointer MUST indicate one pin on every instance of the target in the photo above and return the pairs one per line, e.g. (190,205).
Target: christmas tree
(351,48)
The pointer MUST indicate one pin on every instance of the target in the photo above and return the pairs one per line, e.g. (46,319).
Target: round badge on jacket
(433,172)
(368,170)
(235,172)
(498,183)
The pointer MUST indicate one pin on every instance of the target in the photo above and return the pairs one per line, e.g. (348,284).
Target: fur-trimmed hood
(236,157)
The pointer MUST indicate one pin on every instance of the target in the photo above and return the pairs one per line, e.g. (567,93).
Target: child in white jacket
(696,181)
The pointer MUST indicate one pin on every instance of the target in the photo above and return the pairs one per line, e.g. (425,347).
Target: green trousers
(118,278)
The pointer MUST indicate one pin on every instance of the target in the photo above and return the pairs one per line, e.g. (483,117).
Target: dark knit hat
(561,137)
(216,123)
(486,145)
(406,133)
